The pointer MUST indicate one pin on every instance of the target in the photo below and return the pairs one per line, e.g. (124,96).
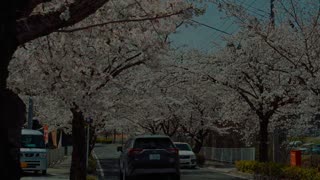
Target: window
(183,147)
(153,143)
(32,141)
(127,145)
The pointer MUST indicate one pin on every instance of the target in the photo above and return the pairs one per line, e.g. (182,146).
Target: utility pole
(88,124)
(30,113)
(122,136)
(114,136)
(275,136)
(272,15)
(88,142)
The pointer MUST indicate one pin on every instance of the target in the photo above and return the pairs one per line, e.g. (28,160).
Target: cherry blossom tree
(19,25)
(171,100)
(289,40)
(75,64)
(50,111)
(253,72)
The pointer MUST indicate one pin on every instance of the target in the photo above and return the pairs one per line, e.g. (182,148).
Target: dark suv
(146,155)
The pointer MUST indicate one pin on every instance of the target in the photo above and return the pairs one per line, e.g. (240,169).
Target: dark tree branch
(40,25)
(118,70)
(123,21)
(27,6)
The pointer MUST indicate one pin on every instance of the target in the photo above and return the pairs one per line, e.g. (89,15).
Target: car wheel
(44,172)
(177,177)
(174,177)
(121,175)
(193,167)
(124,176)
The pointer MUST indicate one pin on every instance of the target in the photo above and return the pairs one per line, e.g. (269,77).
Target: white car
(187,156)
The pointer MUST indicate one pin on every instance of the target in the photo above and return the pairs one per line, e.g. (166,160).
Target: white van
(33,151)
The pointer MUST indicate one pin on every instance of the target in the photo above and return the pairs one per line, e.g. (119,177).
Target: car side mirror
(119,148)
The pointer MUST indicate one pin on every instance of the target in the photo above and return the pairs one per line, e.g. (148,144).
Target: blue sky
(207,39)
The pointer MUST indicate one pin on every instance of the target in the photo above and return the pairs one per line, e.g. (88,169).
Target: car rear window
(183,147)
(153,143)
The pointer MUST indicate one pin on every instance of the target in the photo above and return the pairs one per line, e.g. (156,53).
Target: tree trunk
(93,138)
(78,165)
(197,147)
(7,39)
(12,111)
(263,138)
(12,115)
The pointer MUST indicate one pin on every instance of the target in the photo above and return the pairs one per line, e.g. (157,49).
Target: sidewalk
(59,171)
(226,168)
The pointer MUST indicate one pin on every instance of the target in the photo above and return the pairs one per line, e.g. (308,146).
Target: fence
(229,155)
(55,155)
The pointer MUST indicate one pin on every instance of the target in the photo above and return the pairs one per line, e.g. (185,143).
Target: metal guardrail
(229,155)
(55,155)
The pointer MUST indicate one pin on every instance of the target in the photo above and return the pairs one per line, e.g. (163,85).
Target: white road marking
(99,165)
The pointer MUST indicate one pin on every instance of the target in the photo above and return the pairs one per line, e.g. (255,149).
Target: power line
(256,8)
(208,26)
(230,25)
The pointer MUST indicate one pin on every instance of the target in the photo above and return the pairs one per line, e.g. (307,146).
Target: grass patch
(315,140)
(91,177)
(92,165)
(104,140)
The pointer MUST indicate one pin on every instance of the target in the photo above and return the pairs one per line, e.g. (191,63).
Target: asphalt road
(108,167)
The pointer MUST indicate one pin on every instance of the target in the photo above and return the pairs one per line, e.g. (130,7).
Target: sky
(210,40)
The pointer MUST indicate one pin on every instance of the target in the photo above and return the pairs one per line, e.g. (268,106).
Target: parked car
(149,154)
(315,149)
(33,153)
(186,155)
(305,148)
(295,143)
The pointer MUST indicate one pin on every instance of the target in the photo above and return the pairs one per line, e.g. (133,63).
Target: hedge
(275,170)
(104,140)
(90,177)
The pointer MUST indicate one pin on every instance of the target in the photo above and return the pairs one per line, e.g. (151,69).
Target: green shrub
(311,161)
(92,165)
(89,177)
(247,166)
(276,170)
(200,159)
(298,173)
(269,169)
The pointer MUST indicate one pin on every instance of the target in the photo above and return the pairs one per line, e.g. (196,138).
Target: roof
(180,143)
(31,132)
(151,136)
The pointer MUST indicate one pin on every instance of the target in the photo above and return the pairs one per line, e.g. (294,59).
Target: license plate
(154,156)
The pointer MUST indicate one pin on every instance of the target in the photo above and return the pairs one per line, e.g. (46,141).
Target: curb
(232,172)
(99,170)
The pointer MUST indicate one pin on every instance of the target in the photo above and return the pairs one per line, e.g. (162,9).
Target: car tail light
(173,150)
(133,151)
